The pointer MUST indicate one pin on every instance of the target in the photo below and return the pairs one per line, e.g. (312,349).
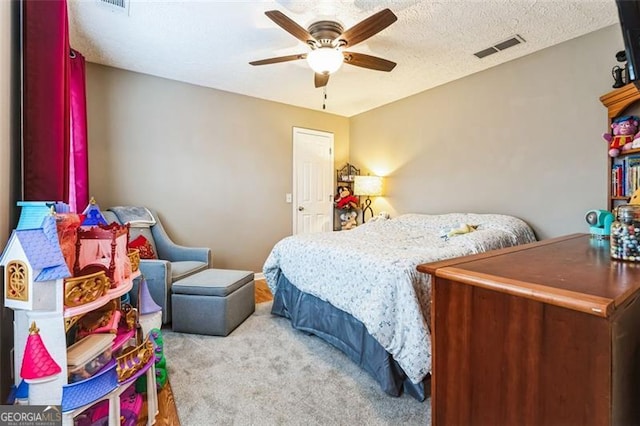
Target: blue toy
(600,221)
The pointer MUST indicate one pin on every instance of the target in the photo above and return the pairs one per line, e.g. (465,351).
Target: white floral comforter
(370,272)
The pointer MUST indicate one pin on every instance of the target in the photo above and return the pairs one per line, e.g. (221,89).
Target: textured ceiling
(210,43)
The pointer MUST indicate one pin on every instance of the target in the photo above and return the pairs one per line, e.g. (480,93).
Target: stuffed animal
(623,132)
(348,220)
(380,216)
(345,200)
(464,228)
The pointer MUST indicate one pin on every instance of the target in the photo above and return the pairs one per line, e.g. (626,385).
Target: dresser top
(575,271)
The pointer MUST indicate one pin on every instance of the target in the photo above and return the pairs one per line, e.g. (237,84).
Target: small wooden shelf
(629,152)
(619,99)
(346,175)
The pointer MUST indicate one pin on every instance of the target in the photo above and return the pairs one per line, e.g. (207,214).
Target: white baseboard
(258,276)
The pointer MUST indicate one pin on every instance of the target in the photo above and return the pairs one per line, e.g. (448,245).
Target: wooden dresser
(542,334)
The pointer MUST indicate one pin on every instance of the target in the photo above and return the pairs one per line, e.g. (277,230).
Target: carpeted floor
(267,373)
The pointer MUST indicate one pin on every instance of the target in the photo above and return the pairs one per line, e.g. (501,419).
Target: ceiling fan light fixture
(325,60)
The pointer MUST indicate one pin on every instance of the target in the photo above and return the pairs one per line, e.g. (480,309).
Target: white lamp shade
(370,186)
(325,60)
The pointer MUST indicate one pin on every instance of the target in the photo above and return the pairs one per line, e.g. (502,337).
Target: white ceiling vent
(117,6)
(516,39)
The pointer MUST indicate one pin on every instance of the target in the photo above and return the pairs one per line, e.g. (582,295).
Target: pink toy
(624,130)
(37,364)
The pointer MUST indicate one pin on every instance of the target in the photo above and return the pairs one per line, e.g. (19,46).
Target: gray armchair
(174,262)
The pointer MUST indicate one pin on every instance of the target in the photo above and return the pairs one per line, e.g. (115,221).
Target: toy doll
(623,132)
(344,200)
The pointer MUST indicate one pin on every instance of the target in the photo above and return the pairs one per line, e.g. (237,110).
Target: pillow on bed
(144,246)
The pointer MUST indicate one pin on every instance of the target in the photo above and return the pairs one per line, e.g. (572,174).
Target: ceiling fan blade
(321,80)
(279,59)
(370,26)
(368,61)
(290,26)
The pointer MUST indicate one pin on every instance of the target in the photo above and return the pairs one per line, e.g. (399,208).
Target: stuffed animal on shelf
(623,132)
(464,228)
(345,200)
(348,220)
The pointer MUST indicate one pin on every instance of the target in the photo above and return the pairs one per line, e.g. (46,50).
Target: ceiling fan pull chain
(324,101)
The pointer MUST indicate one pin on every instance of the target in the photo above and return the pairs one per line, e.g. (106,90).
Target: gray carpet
(267,373)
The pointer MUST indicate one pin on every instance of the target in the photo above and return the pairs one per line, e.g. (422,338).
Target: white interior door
(312,181)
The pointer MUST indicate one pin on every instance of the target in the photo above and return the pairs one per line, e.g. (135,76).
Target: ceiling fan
(327,39)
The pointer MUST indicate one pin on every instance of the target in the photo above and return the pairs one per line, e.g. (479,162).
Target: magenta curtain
(78,155)
(55,160)
(45,101)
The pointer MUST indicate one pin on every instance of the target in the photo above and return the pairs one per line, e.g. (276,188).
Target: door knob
(300,208)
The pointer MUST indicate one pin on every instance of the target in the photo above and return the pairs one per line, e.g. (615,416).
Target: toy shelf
(114,405)
(123,288)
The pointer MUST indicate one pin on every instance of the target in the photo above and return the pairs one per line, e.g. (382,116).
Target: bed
(360,291)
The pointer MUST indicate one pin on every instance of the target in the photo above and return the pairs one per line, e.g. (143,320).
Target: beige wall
(215,165)
(522,138)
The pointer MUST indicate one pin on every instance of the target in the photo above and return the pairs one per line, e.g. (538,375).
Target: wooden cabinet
(618,102)
(541,334)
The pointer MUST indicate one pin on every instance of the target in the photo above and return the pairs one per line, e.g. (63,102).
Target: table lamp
(371,186)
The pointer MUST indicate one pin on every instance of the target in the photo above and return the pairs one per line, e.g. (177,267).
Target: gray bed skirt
(315,316)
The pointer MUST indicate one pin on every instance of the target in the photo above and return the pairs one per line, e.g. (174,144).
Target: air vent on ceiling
(517,39)
(119,6)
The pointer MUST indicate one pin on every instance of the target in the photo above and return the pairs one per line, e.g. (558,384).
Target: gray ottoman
(213,301)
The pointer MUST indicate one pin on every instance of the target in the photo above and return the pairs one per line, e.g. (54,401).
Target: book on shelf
(632,174)
(616,180)
(625,176)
